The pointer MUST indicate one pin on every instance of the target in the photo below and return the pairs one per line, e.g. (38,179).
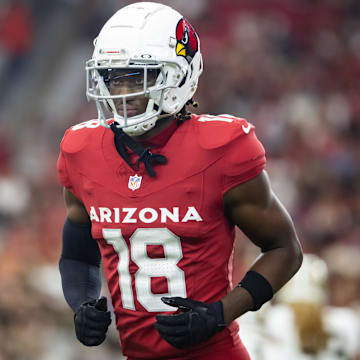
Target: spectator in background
(16,37)
(14,190)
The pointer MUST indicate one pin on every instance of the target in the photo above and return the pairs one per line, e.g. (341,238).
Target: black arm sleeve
(79,265)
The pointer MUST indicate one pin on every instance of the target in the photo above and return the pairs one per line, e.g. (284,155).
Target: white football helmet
(144,37)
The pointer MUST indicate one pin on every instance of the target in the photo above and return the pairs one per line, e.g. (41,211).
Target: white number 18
(148,267)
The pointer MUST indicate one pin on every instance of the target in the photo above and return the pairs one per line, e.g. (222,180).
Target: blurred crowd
(291,67)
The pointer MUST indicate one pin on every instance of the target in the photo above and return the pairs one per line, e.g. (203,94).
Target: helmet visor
(114,81)
(128,81)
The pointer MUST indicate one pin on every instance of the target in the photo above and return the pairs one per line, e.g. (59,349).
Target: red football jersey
(167,235)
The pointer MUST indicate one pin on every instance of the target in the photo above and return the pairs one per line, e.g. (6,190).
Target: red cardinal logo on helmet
(187,40)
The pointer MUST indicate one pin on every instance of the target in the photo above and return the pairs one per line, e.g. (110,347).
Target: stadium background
(291,67)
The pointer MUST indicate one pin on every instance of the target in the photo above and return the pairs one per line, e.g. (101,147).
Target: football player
(155,192)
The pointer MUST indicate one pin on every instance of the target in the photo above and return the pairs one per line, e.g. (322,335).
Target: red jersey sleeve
(243,160)
(62,171)
(67,176)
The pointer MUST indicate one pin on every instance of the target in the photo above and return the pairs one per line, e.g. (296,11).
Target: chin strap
(122,141)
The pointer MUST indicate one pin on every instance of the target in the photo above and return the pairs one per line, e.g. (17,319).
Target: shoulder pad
(78,136)
(217,131)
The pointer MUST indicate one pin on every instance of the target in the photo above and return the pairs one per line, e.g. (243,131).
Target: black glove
(196,323)
(92,320)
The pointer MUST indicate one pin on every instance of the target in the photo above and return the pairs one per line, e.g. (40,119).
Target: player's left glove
(196,323)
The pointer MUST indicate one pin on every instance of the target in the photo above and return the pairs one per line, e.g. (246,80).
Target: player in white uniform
(300,325)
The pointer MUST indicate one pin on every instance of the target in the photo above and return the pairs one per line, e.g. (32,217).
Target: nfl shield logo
(134,182)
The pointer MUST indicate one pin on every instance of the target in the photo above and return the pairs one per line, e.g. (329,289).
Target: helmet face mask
(135,60)
(99,86)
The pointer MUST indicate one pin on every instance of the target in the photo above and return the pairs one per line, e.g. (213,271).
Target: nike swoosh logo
(246,129)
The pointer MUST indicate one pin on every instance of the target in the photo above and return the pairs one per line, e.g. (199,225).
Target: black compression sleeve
(79,265)
(78,243)
(80,282)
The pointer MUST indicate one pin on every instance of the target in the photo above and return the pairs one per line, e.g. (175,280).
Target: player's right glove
(92,320)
